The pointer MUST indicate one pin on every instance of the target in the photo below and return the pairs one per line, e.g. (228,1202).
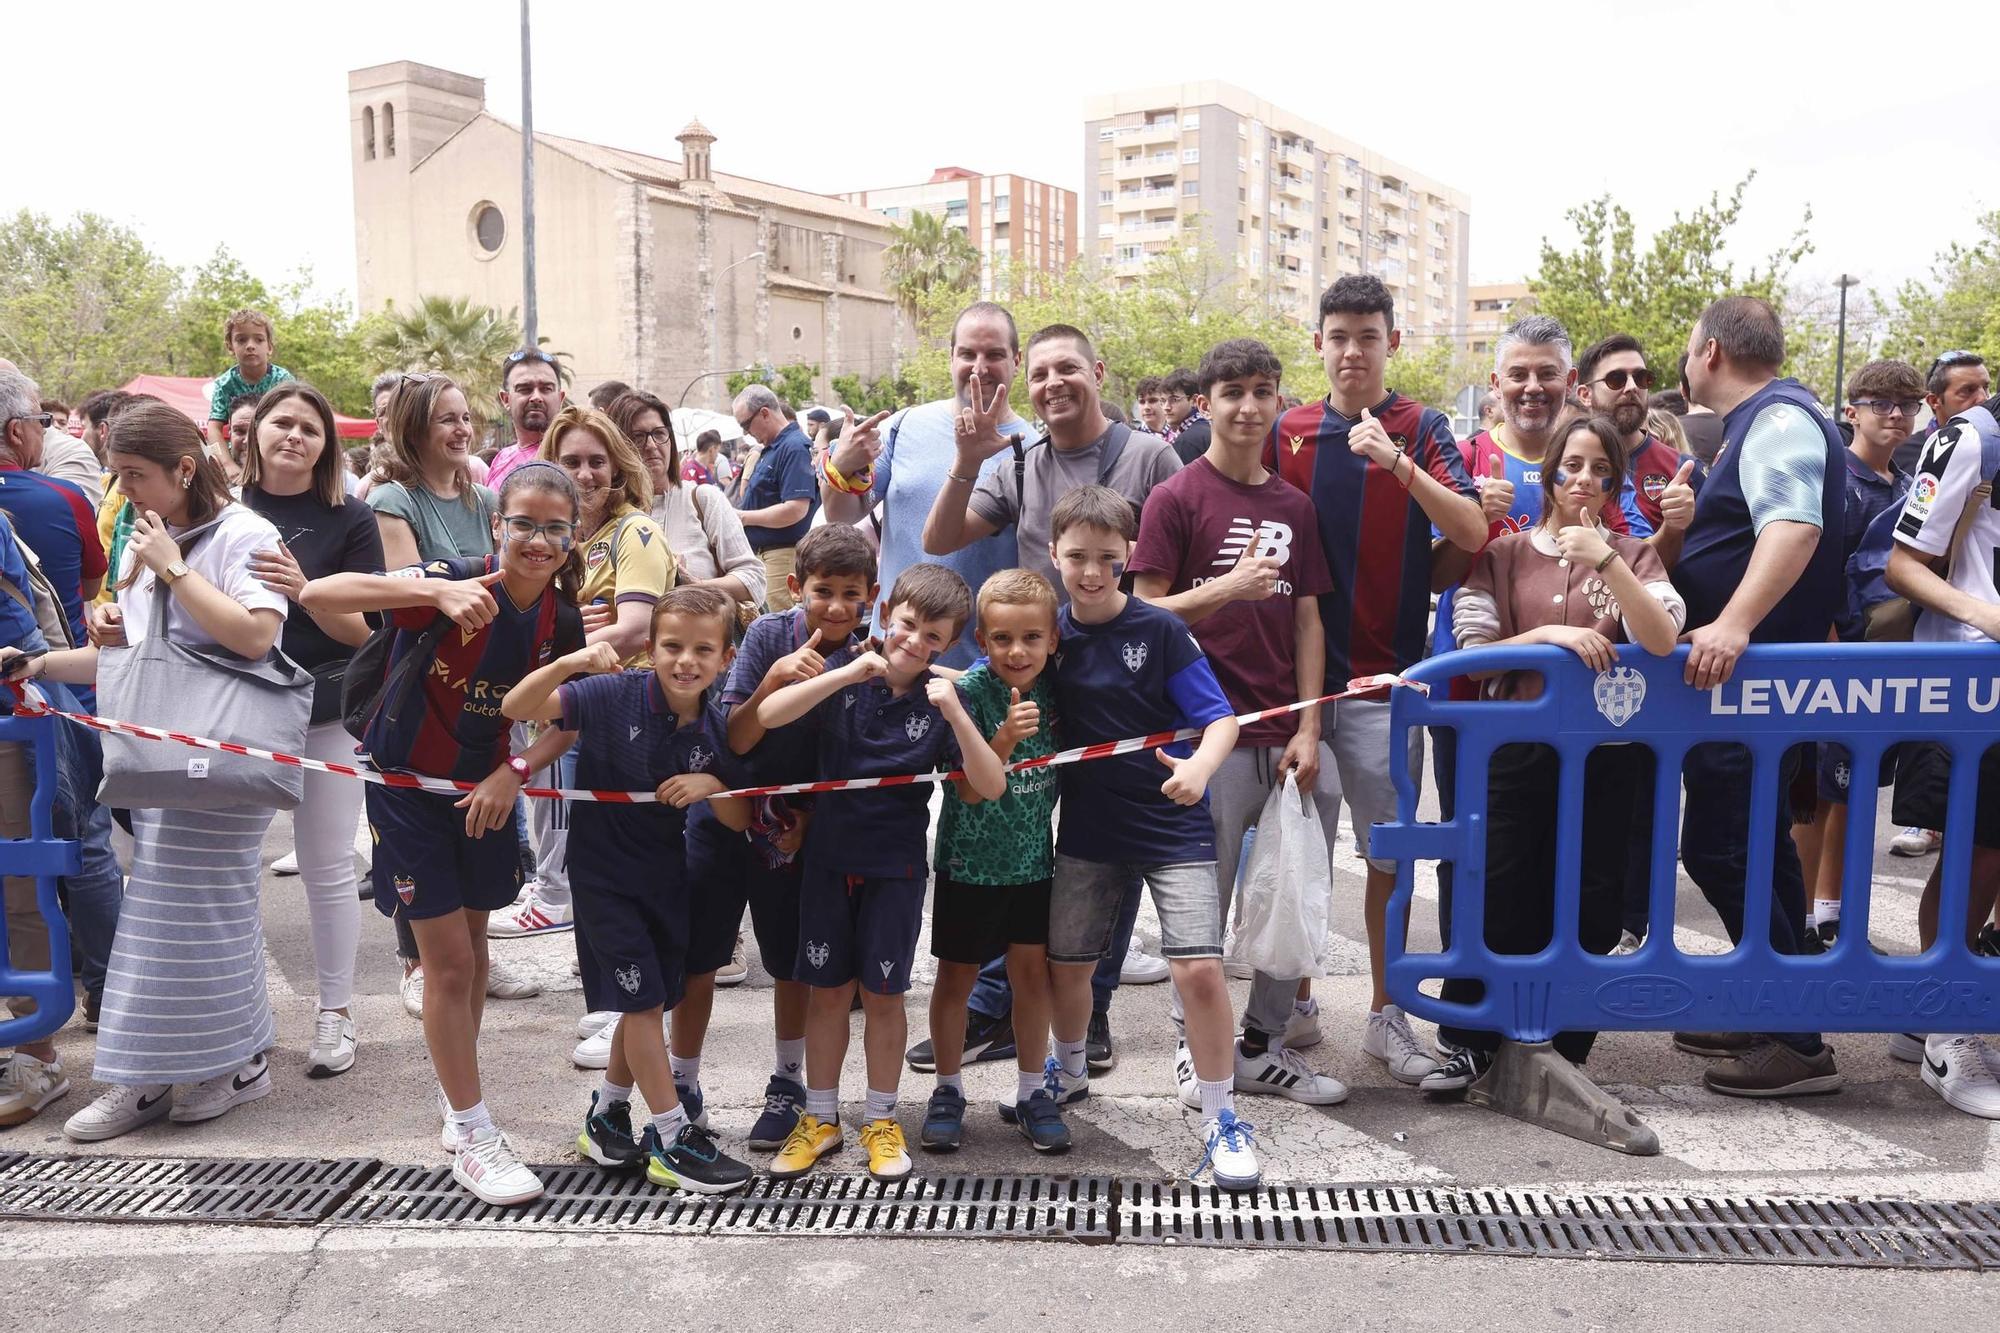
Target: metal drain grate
(1855,1233)
(986,1207)
(152,1189)
(576,1197)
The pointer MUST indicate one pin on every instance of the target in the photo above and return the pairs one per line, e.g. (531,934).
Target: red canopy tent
(190,395)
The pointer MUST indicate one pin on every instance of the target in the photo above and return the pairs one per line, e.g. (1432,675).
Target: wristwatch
(519,765)
(174,573)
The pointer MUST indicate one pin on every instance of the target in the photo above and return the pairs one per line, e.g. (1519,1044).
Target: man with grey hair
(64,456)
(781,494)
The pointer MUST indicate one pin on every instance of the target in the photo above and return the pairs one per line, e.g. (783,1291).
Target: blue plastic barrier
(1865,696)
(46,857)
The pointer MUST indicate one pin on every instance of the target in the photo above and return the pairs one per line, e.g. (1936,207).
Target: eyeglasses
(1959,358)
(44,417)
(559,533)
(744,422)
(659,438)
(1615,380)
(1883,407)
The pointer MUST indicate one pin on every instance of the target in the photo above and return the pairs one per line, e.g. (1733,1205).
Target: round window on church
(489,228)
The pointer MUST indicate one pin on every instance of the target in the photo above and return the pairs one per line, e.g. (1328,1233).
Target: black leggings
(1521,862)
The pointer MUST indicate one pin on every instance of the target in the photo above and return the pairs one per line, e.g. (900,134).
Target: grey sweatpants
(1236,796)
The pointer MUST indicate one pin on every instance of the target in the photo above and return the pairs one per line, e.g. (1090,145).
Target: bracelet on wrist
(1403,458)
(1605,563)
(953,476)
(857,485)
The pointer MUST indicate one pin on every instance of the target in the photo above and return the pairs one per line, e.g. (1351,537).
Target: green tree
(924,255)
(885,393)
(1609,284)
(1958,310)
(1433,371)
(84,304)
(793,384)
(454,336)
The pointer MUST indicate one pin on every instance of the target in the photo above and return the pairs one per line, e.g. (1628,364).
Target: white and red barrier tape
(37,706)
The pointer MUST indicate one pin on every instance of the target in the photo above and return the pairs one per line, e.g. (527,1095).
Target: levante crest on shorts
(1620,693)
(817,954)
(628,979)
(1135,656)
(406,888)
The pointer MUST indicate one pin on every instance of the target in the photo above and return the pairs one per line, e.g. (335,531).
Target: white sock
(609,1094)
(823,1103)
(475,1116)
(956,1082)
(881,1105)
(668,1124)
(1027,1082)
(791,1062)
(1070,1054)
(1216,1097)
(1309,1005)
(687,1069)
(1825,909)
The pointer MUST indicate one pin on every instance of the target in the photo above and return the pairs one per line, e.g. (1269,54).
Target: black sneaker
(1988,942)
(944,1122)
(694,1161)
(1812,943)
(1097,1052)
(1461,1070)
(985,1039)
(784,1101)
(93,1004)
(607,1136)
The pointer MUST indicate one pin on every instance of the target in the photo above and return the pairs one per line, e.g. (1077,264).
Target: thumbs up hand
(1367,438)
(1496,493)
(1677,501)
(1024,719)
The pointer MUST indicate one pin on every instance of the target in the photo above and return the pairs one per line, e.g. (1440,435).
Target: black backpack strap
(1021,473)
(1114,446)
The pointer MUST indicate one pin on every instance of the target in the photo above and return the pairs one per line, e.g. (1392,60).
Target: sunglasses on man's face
(1616,380)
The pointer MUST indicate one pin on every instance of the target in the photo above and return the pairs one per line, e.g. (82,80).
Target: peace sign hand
(978,430)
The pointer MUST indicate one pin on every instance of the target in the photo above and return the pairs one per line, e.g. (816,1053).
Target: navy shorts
(1923,778)
(858,927)
(1836,771)
(425,866)
(725,874)
(632,947)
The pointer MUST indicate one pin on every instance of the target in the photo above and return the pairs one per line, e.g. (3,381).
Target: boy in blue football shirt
(861,901)
(1128,668)
(628,864)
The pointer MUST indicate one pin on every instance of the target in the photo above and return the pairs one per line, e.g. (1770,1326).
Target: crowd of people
(954,586)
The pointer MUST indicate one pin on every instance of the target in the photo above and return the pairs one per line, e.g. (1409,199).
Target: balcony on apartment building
(1298,187)
(1152,196)
(1162,129)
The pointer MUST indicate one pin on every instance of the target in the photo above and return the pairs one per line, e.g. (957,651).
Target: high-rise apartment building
(1489,309)
(1007,218)
(1293,203)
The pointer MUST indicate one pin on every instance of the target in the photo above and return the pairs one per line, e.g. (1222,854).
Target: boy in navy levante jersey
(861,900)
(1129,668)
(1381,470)
(636,730)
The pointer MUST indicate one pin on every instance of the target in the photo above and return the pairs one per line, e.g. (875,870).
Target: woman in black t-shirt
(292,476)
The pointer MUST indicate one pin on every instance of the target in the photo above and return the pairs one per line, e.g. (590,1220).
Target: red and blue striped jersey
(1375,535)
(459,732)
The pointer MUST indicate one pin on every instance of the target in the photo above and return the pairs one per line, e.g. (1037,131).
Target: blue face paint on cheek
(1117,571)
(1562,477)
(1609,483)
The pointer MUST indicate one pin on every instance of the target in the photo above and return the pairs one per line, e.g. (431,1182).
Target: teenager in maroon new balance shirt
(1381,471)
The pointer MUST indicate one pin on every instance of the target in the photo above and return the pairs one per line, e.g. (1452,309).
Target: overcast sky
(199,130)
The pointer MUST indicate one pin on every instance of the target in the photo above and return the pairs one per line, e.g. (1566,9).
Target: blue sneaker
(784,1101)
(693,1161)
(691,1102)
(1041,1123)
(1229,1158)
(1062,1087)
(944,1121)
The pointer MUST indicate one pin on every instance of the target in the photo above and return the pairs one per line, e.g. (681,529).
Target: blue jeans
(993,998)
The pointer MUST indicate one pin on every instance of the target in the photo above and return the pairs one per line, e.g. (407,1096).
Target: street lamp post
(528,316)
(1840,343)
(714,339)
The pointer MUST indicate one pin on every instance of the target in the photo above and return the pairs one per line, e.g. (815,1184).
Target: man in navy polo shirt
(779,499)
(53,517)
(1758,566)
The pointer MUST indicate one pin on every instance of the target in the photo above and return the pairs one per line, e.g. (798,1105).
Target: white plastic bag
(1286,891)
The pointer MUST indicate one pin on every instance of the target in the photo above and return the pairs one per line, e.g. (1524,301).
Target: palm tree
(924,254)
(451,334)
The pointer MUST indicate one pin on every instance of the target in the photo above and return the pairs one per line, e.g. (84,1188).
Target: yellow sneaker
(888,1159)
(810,1140)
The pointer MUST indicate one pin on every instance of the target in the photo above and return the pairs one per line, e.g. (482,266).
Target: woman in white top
(702,527)
(184,1001)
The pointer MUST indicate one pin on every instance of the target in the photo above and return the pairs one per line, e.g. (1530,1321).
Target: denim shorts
(1083,908)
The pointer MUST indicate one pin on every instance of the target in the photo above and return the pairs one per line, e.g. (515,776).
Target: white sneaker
(1959,1069)
(1907,1047)
(595,1022)
(332,1045)
(531,916)
(1186,1085)
(413,991)
(120,1111)
(1229,1156)
(1388,1038)
(1915,842)
(450,1137)
(1279,1072)
(732,972)
(504,983)
(594,1051)
(27,1085)
(288,864)
(211,1097)
(487,1166)
(1628,943)
(1141,968)
(1302,1028)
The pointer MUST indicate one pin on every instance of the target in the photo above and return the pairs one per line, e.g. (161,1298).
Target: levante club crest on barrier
(1620,693)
